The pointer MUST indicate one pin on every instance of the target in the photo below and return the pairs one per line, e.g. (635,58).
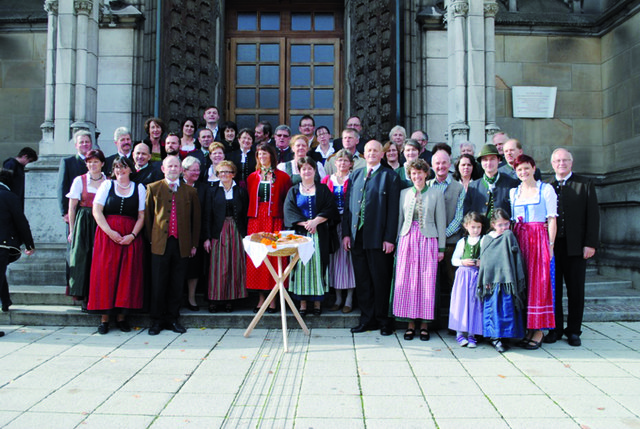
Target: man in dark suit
(17,164)
(355,123)
(576,242)
(122,140)
(146,172)
(512,149)
(422,138)
(211,118)
(14,231)
(369,231)
(492,190)
(70,168)
(172,225)
(281,140)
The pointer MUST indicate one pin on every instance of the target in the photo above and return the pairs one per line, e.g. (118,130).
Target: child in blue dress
(465,311)
(501,282)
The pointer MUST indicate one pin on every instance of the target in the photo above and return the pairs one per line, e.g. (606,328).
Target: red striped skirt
(533,238)
(227,271)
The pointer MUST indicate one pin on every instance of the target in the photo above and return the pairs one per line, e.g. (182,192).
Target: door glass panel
(301,21)
(323,75)
(245,98)
(269,98)
(269,75)
(300,99)
(246,53)
(326,120)
(245,121)
(323,54)
(245,75)
(270,52)
(300,53)
(272,119)
(324,22)
(247,21)
(323,98)
(300,75)
(270,21)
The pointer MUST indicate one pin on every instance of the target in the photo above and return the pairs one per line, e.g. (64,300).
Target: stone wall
(573,65)
(436,82)
(22,69)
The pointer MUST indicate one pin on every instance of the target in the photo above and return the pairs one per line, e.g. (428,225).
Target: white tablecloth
(258,251)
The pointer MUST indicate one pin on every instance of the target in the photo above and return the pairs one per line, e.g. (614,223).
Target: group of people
(409,239)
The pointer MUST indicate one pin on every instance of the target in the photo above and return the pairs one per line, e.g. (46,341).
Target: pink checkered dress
(414,294)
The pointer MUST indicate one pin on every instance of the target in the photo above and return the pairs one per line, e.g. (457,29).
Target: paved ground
(73,377)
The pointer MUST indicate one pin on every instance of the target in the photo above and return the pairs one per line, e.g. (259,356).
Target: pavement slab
(217,378)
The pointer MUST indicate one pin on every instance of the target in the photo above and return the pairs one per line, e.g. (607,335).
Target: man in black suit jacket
(281,140)
(354,122)
(17,164)
(146,172)
(492,190)
(70,168)
(369,231)
(122,140)
(14,231)
(576,242)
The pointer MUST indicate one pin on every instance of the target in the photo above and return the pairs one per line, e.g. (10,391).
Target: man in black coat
(492,190)
(17,164)
(576,242)
(70,168)
(122,140)
(146,172)
(369,231)
(14,231)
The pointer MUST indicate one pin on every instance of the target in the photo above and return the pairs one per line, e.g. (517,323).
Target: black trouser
(571,269)
(168,273)
(4,285)
(373,271)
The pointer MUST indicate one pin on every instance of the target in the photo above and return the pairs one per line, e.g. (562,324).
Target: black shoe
(317,311)
(255,310)
(386,331)
(409,334)
(574,340)
(551,337)
(271,310)
(192,307)
(155,329)
(103,328)
(362,328)
(228,308)
(424,335)
(1,333)
(497,344)
(5,308)
(123,325)
(303,312)
(213,308)
(177,328)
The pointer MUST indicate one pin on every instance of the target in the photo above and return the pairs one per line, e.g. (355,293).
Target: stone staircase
(608,299)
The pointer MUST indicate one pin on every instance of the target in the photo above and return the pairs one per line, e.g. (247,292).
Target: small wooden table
(280,277)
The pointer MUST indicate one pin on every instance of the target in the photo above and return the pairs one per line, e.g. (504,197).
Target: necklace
(307,188)
(123,186)
(95,180)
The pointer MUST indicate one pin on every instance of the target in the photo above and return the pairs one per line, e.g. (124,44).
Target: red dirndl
(534,245)
(117,271)
(260,278)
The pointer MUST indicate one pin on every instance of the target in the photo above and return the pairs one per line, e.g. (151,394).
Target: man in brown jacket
(172,224)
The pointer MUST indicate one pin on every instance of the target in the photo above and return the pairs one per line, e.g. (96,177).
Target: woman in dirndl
(534,207)
(224,224)
(116,284)
(82,225)
(422,224)
(341,276)
(308,209)
(267,188)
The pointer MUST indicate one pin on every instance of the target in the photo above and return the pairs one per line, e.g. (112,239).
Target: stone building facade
(447,67)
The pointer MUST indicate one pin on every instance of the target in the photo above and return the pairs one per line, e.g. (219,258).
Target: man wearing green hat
(492,190)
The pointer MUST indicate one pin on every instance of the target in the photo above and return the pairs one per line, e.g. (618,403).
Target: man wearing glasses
(282,137)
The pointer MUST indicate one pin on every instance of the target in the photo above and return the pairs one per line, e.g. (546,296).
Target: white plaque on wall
(534,101)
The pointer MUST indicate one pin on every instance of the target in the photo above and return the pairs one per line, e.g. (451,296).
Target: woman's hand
(127,240)
(207,245)
(466,262)
(311,225)
(440,256)
(115,236)
(70,237)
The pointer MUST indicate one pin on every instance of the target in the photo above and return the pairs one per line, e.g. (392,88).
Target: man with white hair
(122,140)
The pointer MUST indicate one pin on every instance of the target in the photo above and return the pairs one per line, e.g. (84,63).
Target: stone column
(476,72)
(51,6)
(490,11)
(456,17)
(83,9)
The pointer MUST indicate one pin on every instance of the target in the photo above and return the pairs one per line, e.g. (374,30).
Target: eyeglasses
(225,172)
(282,135)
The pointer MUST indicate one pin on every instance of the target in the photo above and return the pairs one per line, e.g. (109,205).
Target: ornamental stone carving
(83,6)
(459,8)
(51,7)
(490,9)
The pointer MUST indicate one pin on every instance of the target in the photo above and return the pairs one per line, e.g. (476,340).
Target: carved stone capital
(459,8)
(459,129)
(51,6)
(490,9)
(83,6)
